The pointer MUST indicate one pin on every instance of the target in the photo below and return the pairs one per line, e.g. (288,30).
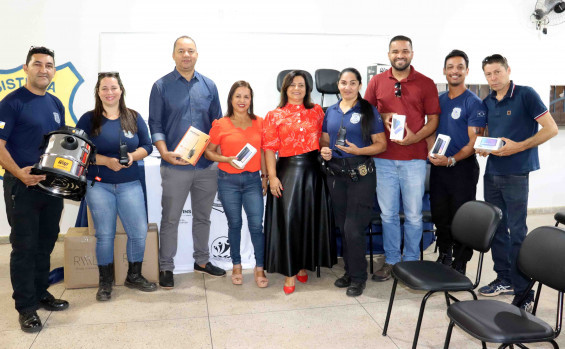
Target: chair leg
(448,336)
(420,316)
(392,292)
(472,294)
(371,248)
(447,299)
(555,346)
(422,248)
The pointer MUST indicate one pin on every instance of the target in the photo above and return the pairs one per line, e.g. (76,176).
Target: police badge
(362,170)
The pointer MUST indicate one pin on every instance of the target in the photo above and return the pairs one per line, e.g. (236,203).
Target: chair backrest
(542,257)
(326,81)
(283,73)
(475,223)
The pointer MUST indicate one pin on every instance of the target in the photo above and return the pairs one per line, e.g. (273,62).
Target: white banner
(218,243)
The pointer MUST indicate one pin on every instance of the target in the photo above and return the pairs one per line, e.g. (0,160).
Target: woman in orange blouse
(238,186)
(298,217)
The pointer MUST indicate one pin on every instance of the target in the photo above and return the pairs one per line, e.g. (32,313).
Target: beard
(399,67)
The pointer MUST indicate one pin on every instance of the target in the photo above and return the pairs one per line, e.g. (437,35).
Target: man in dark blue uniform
(454,176)
(26,115)
(514,115)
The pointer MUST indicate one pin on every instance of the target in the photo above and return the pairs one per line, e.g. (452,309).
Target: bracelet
(451,161)
(264,175)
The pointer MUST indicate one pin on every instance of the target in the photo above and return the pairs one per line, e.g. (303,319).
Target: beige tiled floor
(203,312)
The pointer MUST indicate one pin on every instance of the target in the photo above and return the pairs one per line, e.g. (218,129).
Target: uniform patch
(509,112)
(2,124)
(456,113)
(355,118)
(481,114)
(57,118)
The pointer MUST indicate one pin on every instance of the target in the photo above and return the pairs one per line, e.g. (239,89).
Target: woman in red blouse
(241,187)
(298,217)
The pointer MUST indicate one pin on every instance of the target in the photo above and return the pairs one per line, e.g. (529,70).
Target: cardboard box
(192,145)
(150,266)
(92,231)
(81,266)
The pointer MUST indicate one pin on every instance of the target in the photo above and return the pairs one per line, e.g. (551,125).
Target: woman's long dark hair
(366,108)
(234,87)
(286,84)
(128,117)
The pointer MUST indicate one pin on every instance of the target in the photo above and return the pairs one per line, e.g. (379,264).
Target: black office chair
(474,225)
(326,83)
(283,73)
(426,218)
(559,218)
(541,258)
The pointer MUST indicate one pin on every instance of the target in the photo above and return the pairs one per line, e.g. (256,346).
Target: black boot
(136,280)
(105,281)
(445,258)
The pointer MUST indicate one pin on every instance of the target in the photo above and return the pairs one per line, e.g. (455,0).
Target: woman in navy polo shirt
(113,188)
(352,132)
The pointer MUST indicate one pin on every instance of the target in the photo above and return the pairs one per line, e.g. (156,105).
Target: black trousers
(450,188)
(353,207)
(34,218)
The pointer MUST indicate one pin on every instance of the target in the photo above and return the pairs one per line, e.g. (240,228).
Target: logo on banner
(185,216)
(221,248)
(217,205)
(64,86)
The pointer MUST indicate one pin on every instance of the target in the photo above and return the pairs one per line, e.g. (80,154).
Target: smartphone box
(397,127)
(192,145)
(245,155)
(488,144)
(440,145)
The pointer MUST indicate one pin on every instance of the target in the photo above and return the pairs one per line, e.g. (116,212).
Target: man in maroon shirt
(401,169)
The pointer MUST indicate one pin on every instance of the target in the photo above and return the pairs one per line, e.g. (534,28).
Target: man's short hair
(457,53)
(183,37)
(39,50)
(496,58)
(400,38)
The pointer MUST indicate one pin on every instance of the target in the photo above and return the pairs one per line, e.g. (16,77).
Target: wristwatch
(451,161)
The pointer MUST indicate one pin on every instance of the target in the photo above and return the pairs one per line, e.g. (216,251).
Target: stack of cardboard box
(81,267)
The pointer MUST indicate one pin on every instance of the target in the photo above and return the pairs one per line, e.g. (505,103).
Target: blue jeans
(396,177)
(510,194)
(237,190)
(106,202)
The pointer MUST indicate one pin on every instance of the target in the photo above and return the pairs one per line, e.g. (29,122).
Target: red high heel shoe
(288,289)
(302,278)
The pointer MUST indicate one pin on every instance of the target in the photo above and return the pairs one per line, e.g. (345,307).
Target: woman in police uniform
(351,133)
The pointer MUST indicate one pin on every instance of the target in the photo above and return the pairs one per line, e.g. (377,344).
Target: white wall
(93,35)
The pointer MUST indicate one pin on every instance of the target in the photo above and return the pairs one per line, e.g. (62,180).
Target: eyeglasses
(496,58)
(398,90)
(41,48)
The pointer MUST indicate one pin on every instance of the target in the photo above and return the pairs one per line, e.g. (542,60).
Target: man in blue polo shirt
(26,115)
(454,176)
(178,100)
(514,114)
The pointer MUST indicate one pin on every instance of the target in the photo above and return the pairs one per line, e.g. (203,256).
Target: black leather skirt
(299,227)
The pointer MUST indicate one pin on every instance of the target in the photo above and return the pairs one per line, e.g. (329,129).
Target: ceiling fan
(548,12)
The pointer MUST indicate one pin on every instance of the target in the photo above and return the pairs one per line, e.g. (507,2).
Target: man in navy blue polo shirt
(26,115)
(178,100)
(514,114)
(454,176)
